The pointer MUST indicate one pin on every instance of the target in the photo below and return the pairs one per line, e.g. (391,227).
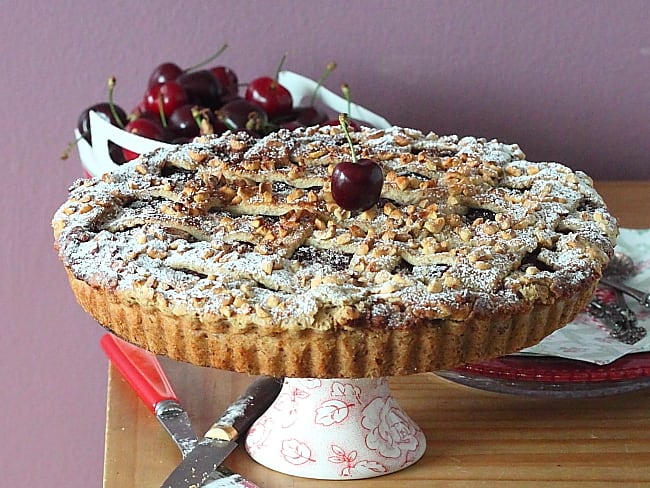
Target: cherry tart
(231,252)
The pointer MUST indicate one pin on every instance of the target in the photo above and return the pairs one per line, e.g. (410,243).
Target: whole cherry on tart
(270,95)
(356,184)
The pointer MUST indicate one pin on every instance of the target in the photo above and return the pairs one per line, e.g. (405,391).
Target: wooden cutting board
(475,438)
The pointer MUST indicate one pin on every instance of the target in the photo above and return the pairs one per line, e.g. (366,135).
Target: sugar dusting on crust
(247,231)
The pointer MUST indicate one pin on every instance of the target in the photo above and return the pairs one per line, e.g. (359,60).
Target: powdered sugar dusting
(246,230)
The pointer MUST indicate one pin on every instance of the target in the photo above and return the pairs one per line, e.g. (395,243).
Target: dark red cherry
(105,112)
(208,122)
(240,114)
(308,116)
(182,123)
(357,186)
(145,128)
(271,96)
(168,96)
(163,73)
(291,125)
(228,80)
(202,88)
(116,153)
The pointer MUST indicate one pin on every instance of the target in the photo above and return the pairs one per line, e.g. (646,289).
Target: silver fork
(619,317)
(621,288)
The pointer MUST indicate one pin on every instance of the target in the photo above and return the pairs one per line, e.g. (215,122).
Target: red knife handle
(241,414)
(140,369)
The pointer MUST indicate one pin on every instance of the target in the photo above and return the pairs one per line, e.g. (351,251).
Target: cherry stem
(68,149)
(343,120)
(279,68)
(161,111)
(345,88)
(229,125)
(111,87)
(331,66)
(201,120)
(210,59)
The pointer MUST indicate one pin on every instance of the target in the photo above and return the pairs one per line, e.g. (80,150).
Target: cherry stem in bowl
(279,68)
(161,111)
(206,61)
(345,88)
(331,66)
(112,81)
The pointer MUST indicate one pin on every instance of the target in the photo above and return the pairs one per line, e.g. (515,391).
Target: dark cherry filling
(334,259)
(181,234)
(532,259)
(586,205)
(410,174)
(404,267)
(281,187)
(169,170)
(242,247)
(192,272)
(441,153)
(478,213)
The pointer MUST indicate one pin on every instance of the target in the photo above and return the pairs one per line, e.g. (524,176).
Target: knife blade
(221,438)
(146,376)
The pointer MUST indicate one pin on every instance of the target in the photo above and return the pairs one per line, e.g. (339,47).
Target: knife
(144,373)
(146,376)
(221,438)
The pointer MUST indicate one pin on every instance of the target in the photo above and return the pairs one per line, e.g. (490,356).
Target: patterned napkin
(586,338)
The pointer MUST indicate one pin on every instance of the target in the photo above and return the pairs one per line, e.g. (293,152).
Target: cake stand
(335,429)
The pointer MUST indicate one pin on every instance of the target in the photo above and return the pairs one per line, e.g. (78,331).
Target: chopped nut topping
(238,235)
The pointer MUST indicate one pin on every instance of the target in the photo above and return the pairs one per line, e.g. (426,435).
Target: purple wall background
(567,80)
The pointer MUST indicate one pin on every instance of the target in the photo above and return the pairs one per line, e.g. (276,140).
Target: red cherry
(357,186)
(202,88)
(105,111)
(163,73)
(307,116)
(145,128)
(181,123)
(240,114)
(169,96)
(228,80)
(291,125)
(271,96)
(310,115)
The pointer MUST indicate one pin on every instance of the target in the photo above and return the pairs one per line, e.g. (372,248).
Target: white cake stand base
(335,429)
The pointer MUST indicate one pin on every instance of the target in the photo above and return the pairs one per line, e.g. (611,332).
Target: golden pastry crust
(230,252)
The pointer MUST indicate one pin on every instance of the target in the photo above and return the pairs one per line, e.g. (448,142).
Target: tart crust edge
(309,353)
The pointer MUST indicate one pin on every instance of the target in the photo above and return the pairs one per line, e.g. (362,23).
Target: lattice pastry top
(244,232)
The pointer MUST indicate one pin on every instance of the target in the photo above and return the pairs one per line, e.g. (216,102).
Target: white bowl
(96,160)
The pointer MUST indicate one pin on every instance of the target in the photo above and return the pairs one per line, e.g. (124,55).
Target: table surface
(474,438)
